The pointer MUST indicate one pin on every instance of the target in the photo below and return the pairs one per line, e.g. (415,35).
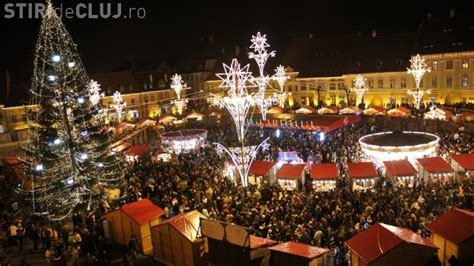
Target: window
(392,83)
(303,87)
(434,65)
(153,98)
(14,119)
(321,86)
(449,82)
(465,63)
(290,88)
(146,98)
(380,83)
(371,83)
(449,64)
(403,83)
(133,101)
(464,82)
(340,86)
(434,82)
(332,86)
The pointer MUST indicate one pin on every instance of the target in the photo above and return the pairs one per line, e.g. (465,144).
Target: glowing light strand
(280,77)
(418,68)
(95,93)
(118,104)
(359,88)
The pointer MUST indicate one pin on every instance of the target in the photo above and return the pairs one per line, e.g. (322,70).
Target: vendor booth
(453,233)
(262,172)
(275,110)
(136,152)
(400,172)
(166,119)
(328,110)
(438,114)
(183,141)
(324,176)
(363,175)
(145,123)
(195,115)
(231,244)
(178,240)
(134,219)
(463,163)
(297,254)
(434,169)
(375,110)
(350,110)
(291,176)
(383,244)
(399,112)
(306,110)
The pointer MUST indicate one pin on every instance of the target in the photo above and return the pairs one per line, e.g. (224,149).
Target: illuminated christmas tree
(67,157)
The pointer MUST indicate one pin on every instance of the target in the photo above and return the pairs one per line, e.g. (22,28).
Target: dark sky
(172,29)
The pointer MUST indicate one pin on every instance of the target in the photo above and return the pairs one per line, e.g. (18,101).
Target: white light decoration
(56,58)
(280,77)
(100,164)
(263,104)
(359,88)
(118,104)
(177,84)
(39,167)
(84,133)
(322,136)
(95,93)
(278,133)
(180,105)
(51,77)
(242,157)
(80,100)
(71,64)
(83,156)
(418,68)
(57,141)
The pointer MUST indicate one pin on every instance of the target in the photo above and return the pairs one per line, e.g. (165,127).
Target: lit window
(380,83)
(332,86)
(392,83)
(464,82)
(403,83)
(465,63)
(449,82)
(340,86)
(449,64)
(434,83)
(371,83)
(434,65)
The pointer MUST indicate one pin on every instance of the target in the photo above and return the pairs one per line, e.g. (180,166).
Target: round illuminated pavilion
(184,141)
(389,146)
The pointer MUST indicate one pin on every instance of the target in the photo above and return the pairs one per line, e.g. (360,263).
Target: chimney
(374,33)
(428,16)
(237,50)
(310,36)
(452,13)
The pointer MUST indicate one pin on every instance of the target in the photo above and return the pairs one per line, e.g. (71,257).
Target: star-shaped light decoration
(95,93)
(235,78)
(118,103)
(177,84)
(359,87)
(418,68)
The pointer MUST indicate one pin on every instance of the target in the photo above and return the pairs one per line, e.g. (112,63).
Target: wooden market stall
(363,175)
(434,169)
(463,163)
(134,219)
(231,244)
(387,245)
(262,172)
(324,176)
(291,176)
(135,152)
(374,110)
(297,254)
(400,172)
(178,240)
(328,110)
(350,110)
(306,110)
(438,114)
(453,233)
(399,112)
(275,110)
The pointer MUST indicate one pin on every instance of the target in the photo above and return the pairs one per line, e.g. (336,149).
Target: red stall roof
(259,242)
(186,223)
(455,225)
(381,238)
(324,171)
(290,171)
(260,167)
(299,249)
(400,168)
(138,149)
(362,170)
(142,211)
(466,161)
(435,164)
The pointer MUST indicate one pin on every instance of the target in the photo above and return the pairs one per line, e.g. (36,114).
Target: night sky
(175,29)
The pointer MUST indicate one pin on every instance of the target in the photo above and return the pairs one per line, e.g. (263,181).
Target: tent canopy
(142,211)
(186,223)
(260,167)
(306,110)
(380,238)
(362,170)
(324,171)
(435,165)
(260,242)
(455,225)
(328,110)
(138,149)
(290,171)
(275,110)
(167,119)
(300,250)
(400,168)
(466,161)
(195,115)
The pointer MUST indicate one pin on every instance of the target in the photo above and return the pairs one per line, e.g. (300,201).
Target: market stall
(434,169)
(291,176)
(145,123)
(136,152)
(350,110)
(324,176)
(328,110)
(400,172)
(399,112)
(262,172)
(374,110)
(166,119)
(306,110)
(183,141)
(178,240)
(275,110)
(463,163)
(438,114)
(383,244)
(298,254)
(195,115)
(133,219)
(363,175)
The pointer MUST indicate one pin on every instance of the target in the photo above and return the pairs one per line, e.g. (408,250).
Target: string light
(418,68)
(359,88)
(56,58)
(94,92)
(118,104)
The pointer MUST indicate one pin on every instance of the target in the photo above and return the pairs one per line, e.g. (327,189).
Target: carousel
(409,145)
(183,141)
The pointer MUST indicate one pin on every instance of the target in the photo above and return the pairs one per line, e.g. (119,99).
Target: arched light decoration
(360,88)
(418,68)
